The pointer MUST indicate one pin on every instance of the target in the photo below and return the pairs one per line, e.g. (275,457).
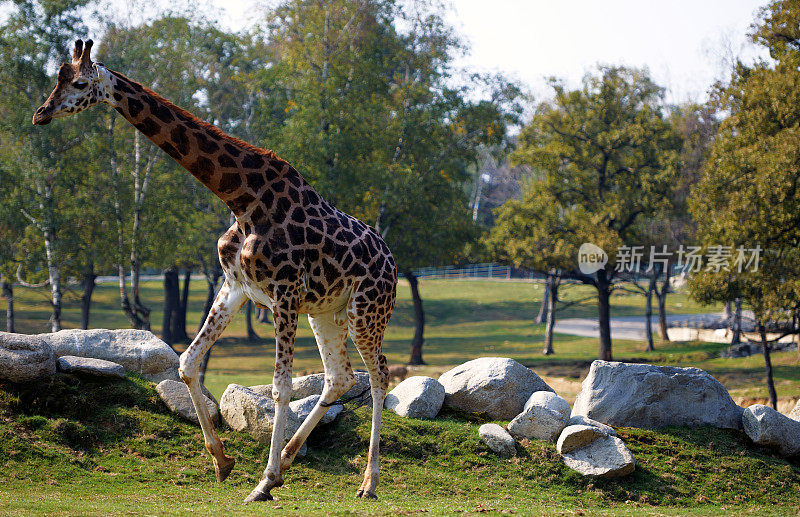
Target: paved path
(627,327)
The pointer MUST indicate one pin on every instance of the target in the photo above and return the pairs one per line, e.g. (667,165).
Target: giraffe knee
(337,383)
(282,389)
(187,367)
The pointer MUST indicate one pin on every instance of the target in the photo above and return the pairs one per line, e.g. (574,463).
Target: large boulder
(767,427)
(648,396)
(90,366)
(245,410)
(138,351)
(303,407)
(544,416)
(604,457)
(308,385)
(25,358)
(416,397)
(497,439)
(175,395)
(497,386)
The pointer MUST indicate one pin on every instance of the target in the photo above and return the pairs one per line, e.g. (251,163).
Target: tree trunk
(773,396)
(124,301)
(543,312)
(551,288)
(661,298)
(262,315)
(212,279)
(55,281)
(86,297)
(171,301)
(648,311)
(248,311)
(8,294)
(204,366)
(737,322)
(179,316)
(603,315)
(419,321)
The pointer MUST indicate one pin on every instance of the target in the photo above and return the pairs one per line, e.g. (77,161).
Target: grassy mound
(76,445)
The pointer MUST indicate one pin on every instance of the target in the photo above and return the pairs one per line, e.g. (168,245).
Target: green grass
(77,446)
(464,319)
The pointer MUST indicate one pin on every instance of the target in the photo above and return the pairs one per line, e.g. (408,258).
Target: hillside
(80,446)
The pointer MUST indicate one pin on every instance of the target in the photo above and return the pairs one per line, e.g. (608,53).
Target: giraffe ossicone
(289,250)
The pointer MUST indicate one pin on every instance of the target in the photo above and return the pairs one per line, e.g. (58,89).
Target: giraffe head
(79,85)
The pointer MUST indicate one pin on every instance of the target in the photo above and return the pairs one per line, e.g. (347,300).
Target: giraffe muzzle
(42,117)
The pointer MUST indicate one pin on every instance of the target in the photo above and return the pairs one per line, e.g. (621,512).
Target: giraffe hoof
(366,495)
(257,495)
(223,469)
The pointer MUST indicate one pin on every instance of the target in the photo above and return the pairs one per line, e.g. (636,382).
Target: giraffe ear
(77,51)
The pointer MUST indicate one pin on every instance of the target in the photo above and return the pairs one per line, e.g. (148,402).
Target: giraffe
(288,250)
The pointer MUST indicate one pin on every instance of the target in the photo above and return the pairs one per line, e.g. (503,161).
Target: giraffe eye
(80,84)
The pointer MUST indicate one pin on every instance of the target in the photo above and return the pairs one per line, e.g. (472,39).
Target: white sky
(682,42)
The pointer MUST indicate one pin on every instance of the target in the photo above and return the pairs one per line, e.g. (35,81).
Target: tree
(529,233)
(33,37)
(747,198)
(369,118)
(605,152)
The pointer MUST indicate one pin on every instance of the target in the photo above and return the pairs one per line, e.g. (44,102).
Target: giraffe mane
(200,122)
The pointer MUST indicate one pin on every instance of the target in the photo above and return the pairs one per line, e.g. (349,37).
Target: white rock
(245,410)
(583,420)
(138,351)
(605,457)
(416,397)
(495,385)
(302,408)
(90,366)
(767,427)
(308,385)
(795,413)
(175,395)
(577,436)
(648,396)
(25,358)
(497,439)
(543,417)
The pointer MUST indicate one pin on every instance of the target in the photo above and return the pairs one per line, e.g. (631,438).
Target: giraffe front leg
(229,300)
(285,329)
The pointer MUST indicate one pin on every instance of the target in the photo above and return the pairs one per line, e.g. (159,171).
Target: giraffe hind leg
(367,338)
(228,301)
(331,336)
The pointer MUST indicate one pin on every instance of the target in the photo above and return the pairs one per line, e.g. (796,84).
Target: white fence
(486,270)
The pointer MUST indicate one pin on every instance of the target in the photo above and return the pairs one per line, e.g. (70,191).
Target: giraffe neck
(236,172)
